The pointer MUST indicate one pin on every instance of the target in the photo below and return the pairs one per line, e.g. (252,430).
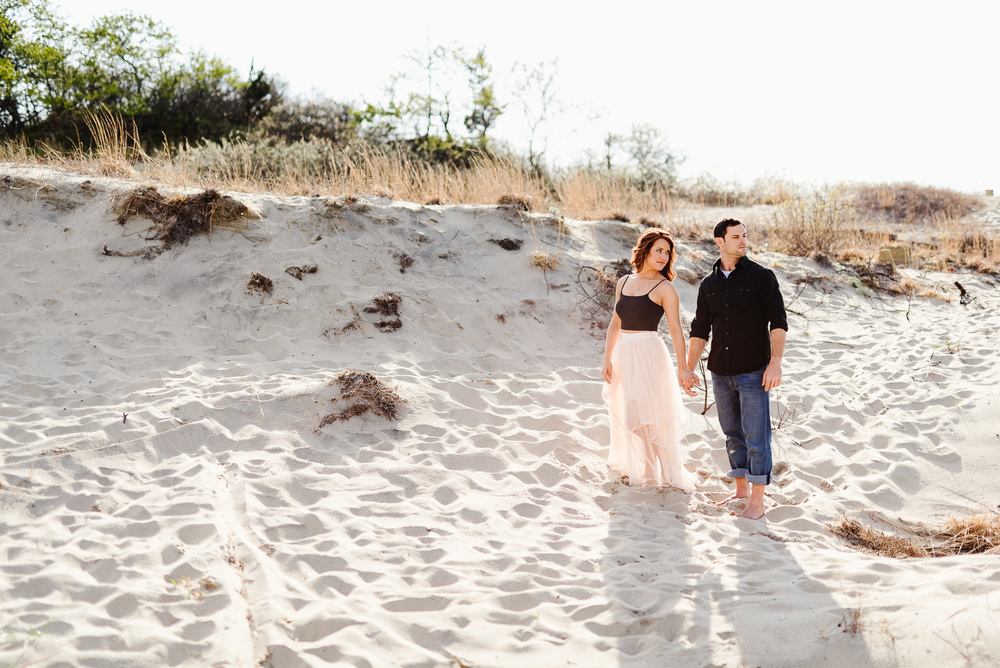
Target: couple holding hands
(741,309)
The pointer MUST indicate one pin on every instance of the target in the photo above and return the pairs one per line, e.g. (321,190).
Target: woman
(644,402)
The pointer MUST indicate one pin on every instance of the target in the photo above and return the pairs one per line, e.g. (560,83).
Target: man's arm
(701,328)
(772,374)
(772,303)
(696,346)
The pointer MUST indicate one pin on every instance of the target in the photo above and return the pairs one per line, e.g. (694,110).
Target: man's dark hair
(725,224)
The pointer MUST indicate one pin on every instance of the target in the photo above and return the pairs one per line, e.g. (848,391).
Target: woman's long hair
(645,244)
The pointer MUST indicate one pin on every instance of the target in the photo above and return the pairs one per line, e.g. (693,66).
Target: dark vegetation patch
(364,393)
(619,216)
(507,244)
(405,262)
(259,283)
(299,272)
(979,534)
(386,303)
(515,202)
(821,258)
(177,219)
(9,182)
(146,253)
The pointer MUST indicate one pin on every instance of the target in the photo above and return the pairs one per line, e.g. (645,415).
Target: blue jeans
(745,417)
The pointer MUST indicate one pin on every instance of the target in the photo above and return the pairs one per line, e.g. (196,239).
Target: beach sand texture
(169,499)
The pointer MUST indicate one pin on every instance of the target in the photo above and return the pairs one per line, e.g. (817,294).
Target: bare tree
(535,91)
(650,155)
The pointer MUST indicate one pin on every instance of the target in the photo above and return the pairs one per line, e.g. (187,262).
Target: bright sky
(870,90)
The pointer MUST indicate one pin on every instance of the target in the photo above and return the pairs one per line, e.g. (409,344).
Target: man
(740,305)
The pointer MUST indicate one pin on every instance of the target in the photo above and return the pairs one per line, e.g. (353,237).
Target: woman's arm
(614,331)
(671,306)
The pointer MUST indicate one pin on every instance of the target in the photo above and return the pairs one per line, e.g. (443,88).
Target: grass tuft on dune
(978,534)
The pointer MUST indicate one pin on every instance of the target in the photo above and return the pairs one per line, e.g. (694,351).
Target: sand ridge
(168,500)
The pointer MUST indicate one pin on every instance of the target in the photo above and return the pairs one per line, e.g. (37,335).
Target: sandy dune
(167,499)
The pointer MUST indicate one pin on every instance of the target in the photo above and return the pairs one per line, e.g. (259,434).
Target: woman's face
(659,255)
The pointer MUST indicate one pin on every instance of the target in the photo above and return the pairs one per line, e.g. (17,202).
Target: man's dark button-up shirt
(740,312)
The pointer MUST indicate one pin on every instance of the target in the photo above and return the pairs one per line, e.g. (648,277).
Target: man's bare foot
(753,511)
(732,497)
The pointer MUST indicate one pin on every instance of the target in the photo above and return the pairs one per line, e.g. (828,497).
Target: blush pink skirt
(644,406)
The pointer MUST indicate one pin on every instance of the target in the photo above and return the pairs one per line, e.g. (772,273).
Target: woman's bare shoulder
(665,289)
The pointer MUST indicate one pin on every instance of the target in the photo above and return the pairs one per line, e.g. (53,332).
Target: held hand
(606,371)
(687,380)
(696,382)
(772,375)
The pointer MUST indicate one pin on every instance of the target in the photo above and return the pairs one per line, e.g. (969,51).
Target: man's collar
(742,261)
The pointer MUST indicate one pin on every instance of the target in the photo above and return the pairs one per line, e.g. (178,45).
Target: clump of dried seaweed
(507,244)
(366,393)
(260,283)
(386,303)
(177,219)
(299,272)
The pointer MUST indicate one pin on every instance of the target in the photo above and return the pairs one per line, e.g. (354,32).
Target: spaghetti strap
(652,288)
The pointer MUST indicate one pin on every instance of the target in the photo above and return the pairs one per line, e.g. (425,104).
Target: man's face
(734,244)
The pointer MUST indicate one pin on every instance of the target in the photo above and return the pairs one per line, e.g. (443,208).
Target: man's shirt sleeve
(701,326)
(774,305)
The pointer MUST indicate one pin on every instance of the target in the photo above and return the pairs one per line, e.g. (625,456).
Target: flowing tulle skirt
(644,406)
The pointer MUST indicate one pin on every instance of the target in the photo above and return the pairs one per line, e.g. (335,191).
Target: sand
(169,499)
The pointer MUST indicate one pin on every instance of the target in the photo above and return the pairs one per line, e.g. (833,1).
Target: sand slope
(167,499)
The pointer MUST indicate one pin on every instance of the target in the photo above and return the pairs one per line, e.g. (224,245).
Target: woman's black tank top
(639,313)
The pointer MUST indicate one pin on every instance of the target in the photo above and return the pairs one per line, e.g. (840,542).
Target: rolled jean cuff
(752,479)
